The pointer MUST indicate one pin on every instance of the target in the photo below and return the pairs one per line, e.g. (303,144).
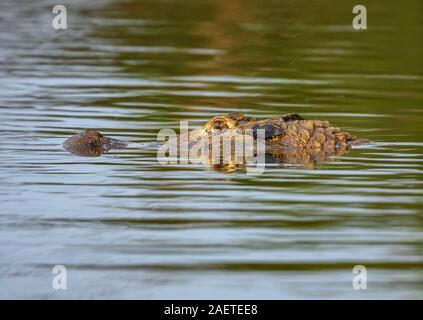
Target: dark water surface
(127,227)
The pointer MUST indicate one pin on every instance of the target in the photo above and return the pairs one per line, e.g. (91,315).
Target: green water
(126,226)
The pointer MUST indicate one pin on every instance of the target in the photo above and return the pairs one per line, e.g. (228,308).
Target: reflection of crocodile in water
(289,139)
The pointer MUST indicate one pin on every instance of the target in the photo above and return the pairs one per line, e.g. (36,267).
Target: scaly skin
(289,139)
(288,132)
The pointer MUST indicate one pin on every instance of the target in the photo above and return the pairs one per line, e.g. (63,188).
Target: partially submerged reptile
(288,139)
(287,132)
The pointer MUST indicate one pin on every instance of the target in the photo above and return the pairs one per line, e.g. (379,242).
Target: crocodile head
(288,139)
(289,131)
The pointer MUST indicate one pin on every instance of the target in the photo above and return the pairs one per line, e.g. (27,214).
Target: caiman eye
(269,131)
